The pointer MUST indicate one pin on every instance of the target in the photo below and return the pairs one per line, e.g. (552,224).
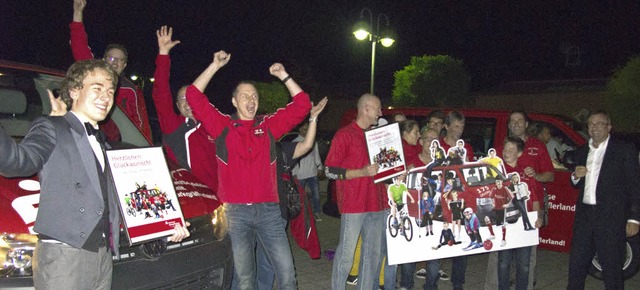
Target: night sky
(499,41)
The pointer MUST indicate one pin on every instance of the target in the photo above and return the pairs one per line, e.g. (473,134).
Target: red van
(201,261)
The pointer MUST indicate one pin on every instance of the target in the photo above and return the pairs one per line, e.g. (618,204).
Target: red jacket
(129,98)
(246,149)
(200,148)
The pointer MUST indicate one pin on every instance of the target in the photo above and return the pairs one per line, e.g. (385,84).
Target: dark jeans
(406,275)
(521,258)
(458,269)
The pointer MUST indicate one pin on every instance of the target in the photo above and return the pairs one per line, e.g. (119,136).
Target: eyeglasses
(112,59)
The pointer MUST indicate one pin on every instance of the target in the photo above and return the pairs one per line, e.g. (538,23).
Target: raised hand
(58,107)
(165,44)
(78,8)
(221,58)
(317,109)
(277,70)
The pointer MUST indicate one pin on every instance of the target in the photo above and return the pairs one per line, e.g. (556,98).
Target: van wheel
(631,261)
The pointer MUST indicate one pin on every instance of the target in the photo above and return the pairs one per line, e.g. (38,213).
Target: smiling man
(245,150)
(608,206)
(75,238)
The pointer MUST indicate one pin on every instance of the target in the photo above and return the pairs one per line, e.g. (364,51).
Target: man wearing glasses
(608,206)
(128,97)
(185,140)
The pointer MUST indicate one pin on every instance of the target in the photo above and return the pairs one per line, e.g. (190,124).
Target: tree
(439,80)
(273,95)
(623,96)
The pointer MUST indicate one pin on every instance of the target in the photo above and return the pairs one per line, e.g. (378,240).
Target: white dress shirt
(594,163)
(97,150)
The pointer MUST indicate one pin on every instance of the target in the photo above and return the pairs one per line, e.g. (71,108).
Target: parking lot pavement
(316,274)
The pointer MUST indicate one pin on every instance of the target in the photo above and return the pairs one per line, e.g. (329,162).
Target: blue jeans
(389,270)
(315,192)
(264,275)
(259,223)
(458,269)
(370,225)
(406,275)
(521,256)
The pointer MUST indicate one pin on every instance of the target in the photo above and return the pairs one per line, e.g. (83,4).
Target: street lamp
(363,30)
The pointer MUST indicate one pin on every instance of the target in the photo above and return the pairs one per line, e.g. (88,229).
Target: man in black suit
(608,206)
(78,219)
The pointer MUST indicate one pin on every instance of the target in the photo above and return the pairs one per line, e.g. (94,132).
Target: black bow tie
(95,132)
(90,129)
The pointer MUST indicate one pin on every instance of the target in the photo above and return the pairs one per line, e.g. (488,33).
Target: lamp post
(363,30)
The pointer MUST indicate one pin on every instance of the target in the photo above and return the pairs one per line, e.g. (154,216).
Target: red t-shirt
(411,154)
(349,151)
(535,155)
(534,186)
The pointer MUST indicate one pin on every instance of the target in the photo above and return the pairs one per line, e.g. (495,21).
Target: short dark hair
(601,112)
(121,47)
(522,112)
(519,143)
(78,72)
(235,90)
(452,117)
(438,114)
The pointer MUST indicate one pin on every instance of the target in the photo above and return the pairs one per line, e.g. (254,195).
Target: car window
(479,175)
(479,133)
(559,143)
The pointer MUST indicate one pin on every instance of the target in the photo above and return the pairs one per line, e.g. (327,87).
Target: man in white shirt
(608,206)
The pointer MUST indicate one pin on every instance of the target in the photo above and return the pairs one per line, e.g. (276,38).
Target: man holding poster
(360,200)
(75,238)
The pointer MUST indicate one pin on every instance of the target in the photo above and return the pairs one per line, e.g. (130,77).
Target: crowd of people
(220,149)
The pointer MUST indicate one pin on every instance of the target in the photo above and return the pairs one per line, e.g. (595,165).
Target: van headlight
(16,254)
(219,221)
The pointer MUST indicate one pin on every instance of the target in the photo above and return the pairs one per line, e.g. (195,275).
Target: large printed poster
(454,208)
(385,148)
(146,195)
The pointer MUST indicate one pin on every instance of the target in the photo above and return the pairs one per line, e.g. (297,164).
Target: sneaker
(443,275)
(492,237)
(352,280)
(503,243)
(317,217)
(471,246)
(422,273)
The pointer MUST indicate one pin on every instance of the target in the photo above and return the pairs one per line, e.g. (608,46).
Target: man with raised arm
(75,239)
(185,140)
(245,149)
(128,97)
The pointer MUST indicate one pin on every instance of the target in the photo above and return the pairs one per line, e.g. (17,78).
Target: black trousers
(592,236)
